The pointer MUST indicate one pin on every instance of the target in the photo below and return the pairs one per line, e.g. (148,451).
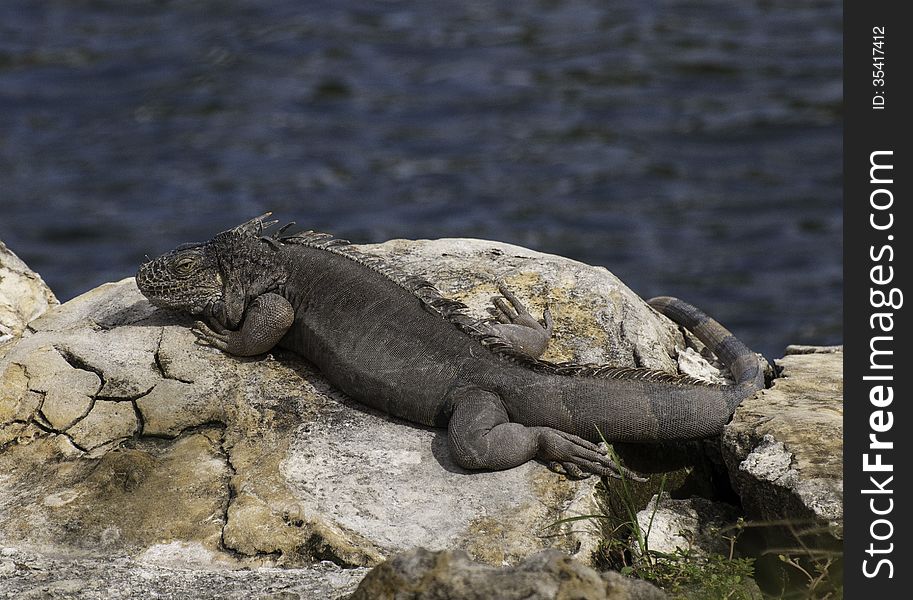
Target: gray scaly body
(392,342)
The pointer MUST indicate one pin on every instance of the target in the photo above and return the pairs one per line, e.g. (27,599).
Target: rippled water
(693,148)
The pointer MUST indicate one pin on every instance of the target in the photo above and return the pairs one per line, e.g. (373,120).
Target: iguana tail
(738,358)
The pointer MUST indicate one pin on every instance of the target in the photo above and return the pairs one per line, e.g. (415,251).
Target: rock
(167,571)
(68,391)
(694,525)
(784,446)
(23,296)
(152,440)
(451,575)
(802,349)
(597,317)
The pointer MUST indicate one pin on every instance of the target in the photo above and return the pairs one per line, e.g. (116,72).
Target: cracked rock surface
(784,447)
(120,437)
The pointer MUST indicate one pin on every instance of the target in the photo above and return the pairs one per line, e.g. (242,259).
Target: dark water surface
(693,148)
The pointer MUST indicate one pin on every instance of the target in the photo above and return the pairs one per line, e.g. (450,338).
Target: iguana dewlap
(392,342)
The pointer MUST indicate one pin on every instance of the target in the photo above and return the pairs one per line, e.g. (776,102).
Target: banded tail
(738,358)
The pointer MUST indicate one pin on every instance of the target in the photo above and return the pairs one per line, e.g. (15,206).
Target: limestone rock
(23,296)
(693,525)
(68,391)
(784,446)
(166,571)
(106,422)
(597,317)
(119,434)
(450,574)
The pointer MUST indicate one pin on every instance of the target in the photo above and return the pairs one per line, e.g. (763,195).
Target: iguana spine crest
(457,314)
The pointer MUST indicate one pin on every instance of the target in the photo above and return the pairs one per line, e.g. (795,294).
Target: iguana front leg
(527,335)
(482,437)
(266,320)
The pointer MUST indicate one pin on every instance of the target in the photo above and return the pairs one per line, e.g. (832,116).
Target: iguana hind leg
(482,437)
(517,326)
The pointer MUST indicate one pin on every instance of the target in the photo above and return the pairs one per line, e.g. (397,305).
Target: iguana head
(214,279)
(187,279)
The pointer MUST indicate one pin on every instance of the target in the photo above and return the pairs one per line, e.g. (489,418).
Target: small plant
(818,570)
(684,573)
(803,566)
(817,573)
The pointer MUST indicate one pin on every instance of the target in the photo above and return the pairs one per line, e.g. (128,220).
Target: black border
(867,130)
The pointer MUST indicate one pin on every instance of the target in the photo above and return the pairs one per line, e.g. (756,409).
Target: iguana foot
(207,336)
(267,319)
(578,458)
(525,334)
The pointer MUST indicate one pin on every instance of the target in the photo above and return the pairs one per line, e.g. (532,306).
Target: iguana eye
(184,266)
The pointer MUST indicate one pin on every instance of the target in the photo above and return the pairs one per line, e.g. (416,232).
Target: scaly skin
(392,342)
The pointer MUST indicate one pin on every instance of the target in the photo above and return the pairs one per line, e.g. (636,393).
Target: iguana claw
(517,326)
(207,337)
(568,469)
(580,458)
(517,313)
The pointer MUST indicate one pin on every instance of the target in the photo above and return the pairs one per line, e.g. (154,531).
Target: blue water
(691,147)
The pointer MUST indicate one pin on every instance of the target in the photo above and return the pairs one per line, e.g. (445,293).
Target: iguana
(393,342)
